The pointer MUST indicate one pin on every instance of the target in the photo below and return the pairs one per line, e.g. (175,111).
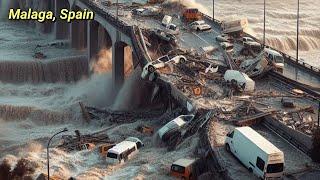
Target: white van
(242,80)
(274,57)
(259,155)
(124,150)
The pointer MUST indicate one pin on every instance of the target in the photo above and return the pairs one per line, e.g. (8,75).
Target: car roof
(201,21)
(121,147)
(184,162)
(259,140)
(271,51)
(133,139)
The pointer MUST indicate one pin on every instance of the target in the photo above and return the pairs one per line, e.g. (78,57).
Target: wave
(67,69)
(289,43)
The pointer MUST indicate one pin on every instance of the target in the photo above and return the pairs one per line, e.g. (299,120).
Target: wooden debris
(75,142)
(145,129)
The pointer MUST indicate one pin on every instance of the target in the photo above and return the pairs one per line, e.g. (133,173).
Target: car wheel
(151,69)
(182,60)
(198,29)
(250,170)
(228,148)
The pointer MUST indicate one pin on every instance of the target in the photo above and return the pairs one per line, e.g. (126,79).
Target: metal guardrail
(313,94)
(121,25)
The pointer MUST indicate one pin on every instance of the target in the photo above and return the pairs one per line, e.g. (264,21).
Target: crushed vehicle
(183,168)
(228,47)
(200,26)
(191,14)
(146,11)
(174,125)
(256,153)
(239,80)
(164,36)
(161,62)
(172,29)
(224,38)
(124,150)
(256,67)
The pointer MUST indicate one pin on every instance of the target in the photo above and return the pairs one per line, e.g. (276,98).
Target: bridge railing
(112,19)
(286,56)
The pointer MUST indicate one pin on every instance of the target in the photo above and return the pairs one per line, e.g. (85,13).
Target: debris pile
(80,142)
(299,119)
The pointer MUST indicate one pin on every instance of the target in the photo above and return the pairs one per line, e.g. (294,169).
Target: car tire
(151,69)
(182,60)
(250,170)
(198,29)
(228,148)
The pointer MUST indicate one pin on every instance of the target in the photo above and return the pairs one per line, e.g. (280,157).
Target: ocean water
(281,22)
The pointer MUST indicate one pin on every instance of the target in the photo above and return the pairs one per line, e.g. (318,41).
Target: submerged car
(200,26)
(160,63)
(173,125)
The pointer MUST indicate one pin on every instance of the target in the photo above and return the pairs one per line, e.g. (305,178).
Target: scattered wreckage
(161,62)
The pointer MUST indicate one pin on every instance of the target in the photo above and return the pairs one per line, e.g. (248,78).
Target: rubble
(76,142)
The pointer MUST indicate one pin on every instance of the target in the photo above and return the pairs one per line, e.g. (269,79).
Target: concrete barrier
(299,139)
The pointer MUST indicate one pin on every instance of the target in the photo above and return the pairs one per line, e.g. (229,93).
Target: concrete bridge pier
(118,65)
(61,28)
(92,44)
(79,34)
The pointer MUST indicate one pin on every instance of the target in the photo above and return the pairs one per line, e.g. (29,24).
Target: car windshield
(279,59)
(112,155)
(156,62)
(275,168)
(187,117)
(164,59)
(172,125)
(177,168)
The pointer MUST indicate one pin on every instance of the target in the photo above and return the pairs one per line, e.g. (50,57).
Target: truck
(240,79)
(183,168)
(256,153)
(191,14)
(235,27)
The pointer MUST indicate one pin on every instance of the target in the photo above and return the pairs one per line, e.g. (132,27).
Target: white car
(172,29)
(246,40)
(135,140)
(200,26)
(224,38)
(175,124)
(160,63)
(147,11)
